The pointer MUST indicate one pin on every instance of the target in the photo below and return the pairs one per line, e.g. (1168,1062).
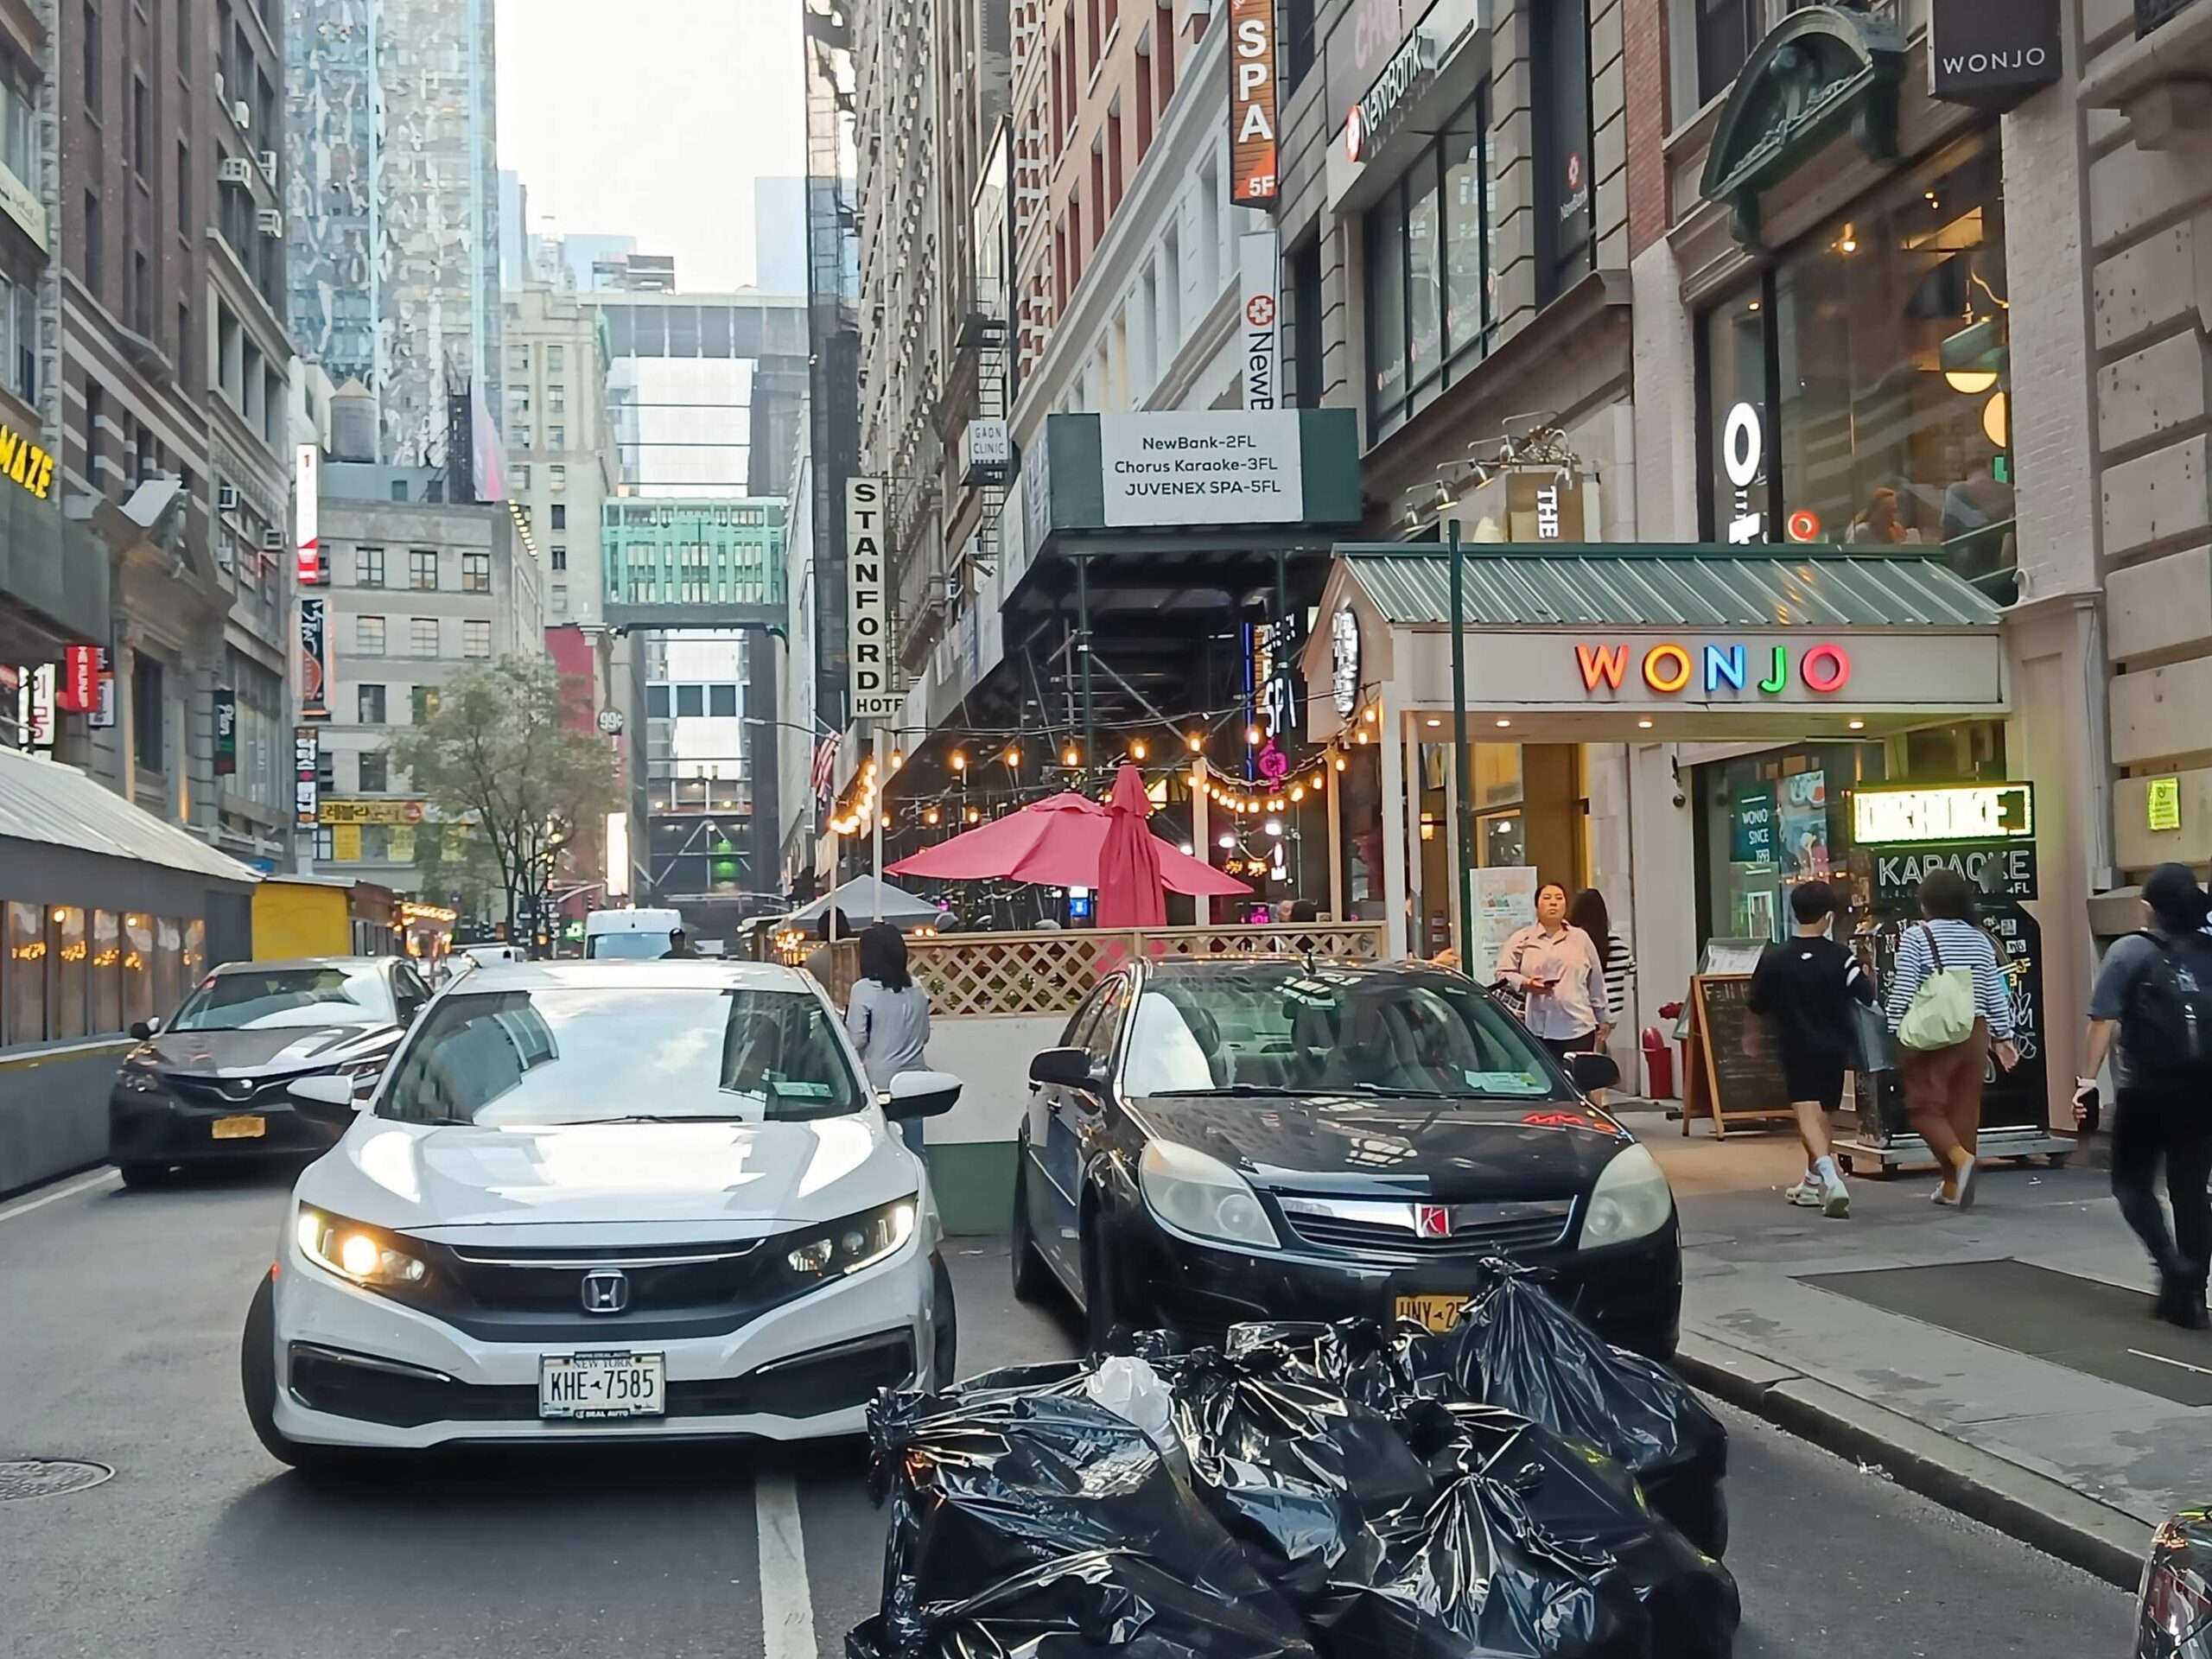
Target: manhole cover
(48,1477)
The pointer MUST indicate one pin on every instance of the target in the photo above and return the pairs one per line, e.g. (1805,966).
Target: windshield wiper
(1241,1091)
(662,1117)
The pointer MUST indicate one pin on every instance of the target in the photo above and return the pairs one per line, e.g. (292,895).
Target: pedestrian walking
(1556,966)
(1803,989)
(1588,912)
(888,1015)
(2154,993)
(1946,1005)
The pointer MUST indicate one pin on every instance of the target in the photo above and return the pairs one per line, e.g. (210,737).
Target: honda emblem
(1432,1220)
(606,1291)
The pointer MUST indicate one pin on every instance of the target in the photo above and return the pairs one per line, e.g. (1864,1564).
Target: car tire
(257,1381)
(1033,1280)
(944,1328)
(141,1177)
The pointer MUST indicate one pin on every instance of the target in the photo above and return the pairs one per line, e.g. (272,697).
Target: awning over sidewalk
(1688,641)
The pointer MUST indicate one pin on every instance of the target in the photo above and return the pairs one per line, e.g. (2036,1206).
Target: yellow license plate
(240,1128)
(1437,1314)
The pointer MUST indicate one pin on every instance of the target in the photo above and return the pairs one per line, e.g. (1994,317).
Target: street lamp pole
(1462,764)
(876,815)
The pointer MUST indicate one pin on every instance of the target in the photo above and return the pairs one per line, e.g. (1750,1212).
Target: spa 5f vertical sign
(1253,158)
(868,600)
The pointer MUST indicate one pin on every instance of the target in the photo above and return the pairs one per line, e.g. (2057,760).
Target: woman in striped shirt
(1943,1087)
(1588,913)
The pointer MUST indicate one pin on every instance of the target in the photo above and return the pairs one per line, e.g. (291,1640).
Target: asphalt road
(120,1316)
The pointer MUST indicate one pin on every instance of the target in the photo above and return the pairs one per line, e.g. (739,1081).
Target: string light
(975,815)
(898,759)
(1374,714)
(1071,756)
(1012,755)
(1137,750)
(959,761)
(1297,791)
(1197,743)
(1341,763)
(1252,735)
(930,817)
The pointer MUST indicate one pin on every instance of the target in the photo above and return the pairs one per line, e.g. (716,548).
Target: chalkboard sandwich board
(1725,1083)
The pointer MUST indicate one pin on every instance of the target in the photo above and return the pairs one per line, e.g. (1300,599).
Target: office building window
(557,476)
(721,702)
(422,703)
(476,573)
(556,437)
(371,702)
(19,339)
(94,54)
(560,556)
(560,513)
(560,599)
(423,570)
(375,774)
(518,360)
(557,359)
(522,434)
(325,845)
(149,712)
(475,638)
(368,636)
(423,636)
(556,403)
(368,567)
(522,475)
(691,702)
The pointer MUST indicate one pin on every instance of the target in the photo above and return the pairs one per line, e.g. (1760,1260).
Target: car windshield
(1273,1028)
(257,998)
(567,1054)
(627,947)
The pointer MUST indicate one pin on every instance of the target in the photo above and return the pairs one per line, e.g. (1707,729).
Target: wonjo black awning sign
(1993,55)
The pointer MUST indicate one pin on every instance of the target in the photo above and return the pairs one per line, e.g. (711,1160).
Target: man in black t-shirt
(1803,988)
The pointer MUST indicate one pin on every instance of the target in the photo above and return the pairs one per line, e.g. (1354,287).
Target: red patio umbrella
(1060,843)
(1130,893)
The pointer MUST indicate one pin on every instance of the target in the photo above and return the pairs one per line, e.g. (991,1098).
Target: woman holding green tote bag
(1946,1005)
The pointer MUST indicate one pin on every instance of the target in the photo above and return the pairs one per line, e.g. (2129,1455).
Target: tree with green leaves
(498,754)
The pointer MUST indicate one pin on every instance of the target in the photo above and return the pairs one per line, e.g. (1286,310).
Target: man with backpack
(1804,989)
(2154,993)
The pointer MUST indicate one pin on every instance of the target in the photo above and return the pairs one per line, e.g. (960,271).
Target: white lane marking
(2179,1365)
(786,1603)
(98,1179)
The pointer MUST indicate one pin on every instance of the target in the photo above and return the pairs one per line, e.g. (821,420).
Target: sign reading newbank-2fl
(1177,469)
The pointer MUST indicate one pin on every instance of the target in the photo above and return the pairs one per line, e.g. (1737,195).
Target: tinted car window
(627,947)
(1099,1040)
(1285,1028)
(257,998)
(571,1055)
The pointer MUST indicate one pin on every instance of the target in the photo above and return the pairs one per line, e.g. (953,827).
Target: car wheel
(944,1327)
(258,1379)
(1033,1280)
(141,1177)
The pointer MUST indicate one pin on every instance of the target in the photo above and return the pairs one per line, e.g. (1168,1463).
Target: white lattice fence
(1051,972)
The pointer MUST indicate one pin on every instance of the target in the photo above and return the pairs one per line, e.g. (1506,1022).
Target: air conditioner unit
(220,87)
(227,498)
(233,169)
(268,165)
(271,221)
(272,540)
(242,112)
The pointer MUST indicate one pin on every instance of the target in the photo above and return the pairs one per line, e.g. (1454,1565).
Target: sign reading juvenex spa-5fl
(1203,467)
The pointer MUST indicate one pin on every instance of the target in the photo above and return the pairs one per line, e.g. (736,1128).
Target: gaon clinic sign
(867,601)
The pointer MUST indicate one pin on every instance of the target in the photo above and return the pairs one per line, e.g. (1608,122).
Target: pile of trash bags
(1513,1489)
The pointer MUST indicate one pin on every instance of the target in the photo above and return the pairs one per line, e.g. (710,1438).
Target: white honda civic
(590,1202)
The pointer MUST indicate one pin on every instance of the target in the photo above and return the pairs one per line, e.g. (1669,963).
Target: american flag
(825,766)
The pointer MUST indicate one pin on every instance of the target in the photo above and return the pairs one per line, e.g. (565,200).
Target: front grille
(222,1094)
(1515,1230)
(551,1281)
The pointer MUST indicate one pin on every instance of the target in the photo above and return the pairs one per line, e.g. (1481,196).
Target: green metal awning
(1686,585)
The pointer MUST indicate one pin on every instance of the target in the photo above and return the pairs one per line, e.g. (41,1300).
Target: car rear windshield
(1322,1030)
(627,947)
(287,996)
(575,1055)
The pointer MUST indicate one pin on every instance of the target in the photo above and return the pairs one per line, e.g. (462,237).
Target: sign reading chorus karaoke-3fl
(867,601)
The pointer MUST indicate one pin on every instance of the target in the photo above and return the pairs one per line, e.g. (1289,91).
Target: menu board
(1725,1083)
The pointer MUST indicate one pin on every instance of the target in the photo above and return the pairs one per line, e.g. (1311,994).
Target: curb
(2034,1509)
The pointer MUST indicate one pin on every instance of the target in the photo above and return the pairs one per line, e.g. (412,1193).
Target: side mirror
(920,1094)
(1066,1068)
(327,1099)
(1592,1071)
(141,1029)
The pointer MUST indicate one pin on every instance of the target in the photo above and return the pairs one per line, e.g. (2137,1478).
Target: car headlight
(367,1255)
(1202,1196)
(847,1246)
(1631,1199)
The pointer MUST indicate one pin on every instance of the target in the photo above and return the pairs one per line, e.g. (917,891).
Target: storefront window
(68,948)
(1868,374)
(141,997)
(23,979)
(1428,270)
(107,972)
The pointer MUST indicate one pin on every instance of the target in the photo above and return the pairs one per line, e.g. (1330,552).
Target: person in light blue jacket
(888,1015)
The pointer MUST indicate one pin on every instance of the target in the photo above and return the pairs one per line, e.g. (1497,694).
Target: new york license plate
(244,1126)
(1437,1314)
(602,1385)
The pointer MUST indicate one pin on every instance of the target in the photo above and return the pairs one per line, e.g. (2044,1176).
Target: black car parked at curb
(212,1084)
(1221,1142)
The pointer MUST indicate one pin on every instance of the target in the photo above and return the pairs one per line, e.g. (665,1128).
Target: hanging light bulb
(1012,755)
(1320,782)
(1137,750)
(930,817)
(1340,763)
(1252,735)
(1071,756)
(1197,743)
(959,761)
(898,759)
(1297,791)
(1374,714)
(975,815)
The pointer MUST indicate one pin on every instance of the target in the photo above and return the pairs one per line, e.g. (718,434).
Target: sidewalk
(2080,1465)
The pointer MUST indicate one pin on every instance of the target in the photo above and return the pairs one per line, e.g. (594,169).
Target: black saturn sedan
(212,1082)
(1220,1141)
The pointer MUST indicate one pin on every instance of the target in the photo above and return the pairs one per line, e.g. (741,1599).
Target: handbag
(1941,1012)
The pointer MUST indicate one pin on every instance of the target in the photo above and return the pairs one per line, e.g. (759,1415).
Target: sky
(651,118)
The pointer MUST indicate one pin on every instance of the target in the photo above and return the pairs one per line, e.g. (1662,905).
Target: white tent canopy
(865,899)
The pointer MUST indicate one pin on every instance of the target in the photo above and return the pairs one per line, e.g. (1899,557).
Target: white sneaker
(1836,1202)
(1807,1194)
(1968,1172)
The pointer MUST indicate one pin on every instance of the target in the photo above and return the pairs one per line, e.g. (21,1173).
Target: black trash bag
(1356,1357)
(1305,1478)
(1580,1508)
(1516,1347)
(987,1490)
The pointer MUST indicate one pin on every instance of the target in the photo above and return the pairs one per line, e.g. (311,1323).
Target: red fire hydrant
(1658,1064)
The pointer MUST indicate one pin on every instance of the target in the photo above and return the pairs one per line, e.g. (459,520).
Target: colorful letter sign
(1670,667)
(1252,148)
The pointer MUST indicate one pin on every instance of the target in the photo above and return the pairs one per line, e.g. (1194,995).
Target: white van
(634,935)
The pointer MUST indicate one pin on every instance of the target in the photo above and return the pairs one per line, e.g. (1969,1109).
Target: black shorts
(1813,1077)
(1563,1046)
